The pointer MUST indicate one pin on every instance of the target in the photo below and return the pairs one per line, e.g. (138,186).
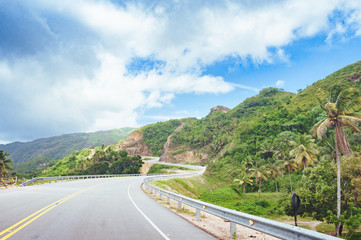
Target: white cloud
(280,83)
(84,83)
(246,87)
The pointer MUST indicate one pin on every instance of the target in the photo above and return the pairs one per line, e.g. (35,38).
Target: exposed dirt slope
(134,145)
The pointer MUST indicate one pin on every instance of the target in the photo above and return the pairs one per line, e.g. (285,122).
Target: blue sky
(80,66)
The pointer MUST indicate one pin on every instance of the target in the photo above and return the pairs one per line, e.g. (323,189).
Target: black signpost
(295,202)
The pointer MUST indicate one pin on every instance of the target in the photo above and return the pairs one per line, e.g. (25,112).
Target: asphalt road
(112,208)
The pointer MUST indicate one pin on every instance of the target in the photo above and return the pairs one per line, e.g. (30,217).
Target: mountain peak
(220,108)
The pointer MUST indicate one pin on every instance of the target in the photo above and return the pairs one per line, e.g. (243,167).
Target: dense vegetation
(155,135)
(217,130)
(100,160)
(264,145)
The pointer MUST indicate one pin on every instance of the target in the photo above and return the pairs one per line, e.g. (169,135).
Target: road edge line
(145,216)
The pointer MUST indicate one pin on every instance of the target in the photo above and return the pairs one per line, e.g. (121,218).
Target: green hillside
(155,135)
(217,130)
(55,148)
(101,160)
(255,145)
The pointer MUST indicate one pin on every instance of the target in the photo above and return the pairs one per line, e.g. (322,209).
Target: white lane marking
(150,221)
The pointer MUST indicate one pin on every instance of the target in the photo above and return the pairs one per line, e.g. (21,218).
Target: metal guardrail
(75,177)
(270,227)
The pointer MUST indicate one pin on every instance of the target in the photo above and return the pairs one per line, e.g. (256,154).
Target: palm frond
(313,157)
(314,128)
(323,127)
(350,123)
(299,158)
(352,106)
(344,97)
(355,114)
(294,151)
(350,118)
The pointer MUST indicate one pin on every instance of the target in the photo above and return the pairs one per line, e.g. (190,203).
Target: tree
(243,180)
(283,144)
(98,168)
(318,193)
(5,163)
(289,165)
(341,109)
(247,164)
(275,170)
(260,171)
(304,151)
(267,149)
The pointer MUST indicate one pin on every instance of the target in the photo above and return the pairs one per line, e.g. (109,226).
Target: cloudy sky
(73,66)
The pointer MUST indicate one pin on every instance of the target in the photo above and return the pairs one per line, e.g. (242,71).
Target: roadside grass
(325,227)
(162,168)
(220,193)
(329,228)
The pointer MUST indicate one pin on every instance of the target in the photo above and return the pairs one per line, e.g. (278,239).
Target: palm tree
(260,171)
(289,165)
(304,151)
(341,109)
(267,149)
(4,163)
(274,171)
(243,180)
(247,164)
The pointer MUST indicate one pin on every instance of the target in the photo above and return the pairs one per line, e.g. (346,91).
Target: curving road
(113,208)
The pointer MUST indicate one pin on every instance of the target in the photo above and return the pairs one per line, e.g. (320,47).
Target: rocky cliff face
(180,155)
(220,108)
(134,145)
(184,156)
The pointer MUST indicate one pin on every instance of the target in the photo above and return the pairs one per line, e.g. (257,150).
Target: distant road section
(114,208)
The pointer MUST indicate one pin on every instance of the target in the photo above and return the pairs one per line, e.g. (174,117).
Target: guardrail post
(42,181)
(179,205)
(168,199)
(56,180)
(232,228)
(198,214)
(160,195)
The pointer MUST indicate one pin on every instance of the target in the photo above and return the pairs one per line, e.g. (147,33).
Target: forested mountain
(54,148)
(223,139)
